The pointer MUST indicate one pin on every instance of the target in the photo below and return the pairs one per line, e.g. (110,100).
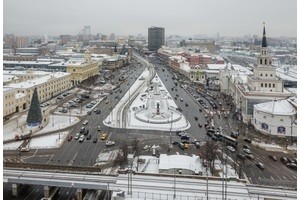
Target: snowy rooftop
(7,78)
(20,95)
(185,67)
(281,107)
(38,81)
(216,66)
(180,162)
(25,62)
(28,72)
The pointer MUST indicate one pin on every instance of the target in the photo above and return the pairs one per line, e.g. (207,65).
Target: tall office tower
(21,42)
(64,39)
(112,36)
(87,30)
(9,40)
(156,38)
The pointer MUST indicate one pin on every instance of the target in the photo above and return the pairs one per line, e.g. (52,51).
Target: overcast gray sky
(183,17)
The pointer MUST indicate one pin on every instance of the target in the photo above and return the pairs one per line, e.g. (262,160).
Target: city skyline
(131,17)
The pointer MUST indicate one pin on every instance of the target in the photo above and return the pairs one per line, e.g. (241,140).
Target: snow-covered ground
(268,147)
(105,157)
(57,122)
(133,122)
(48,142)
(12,145)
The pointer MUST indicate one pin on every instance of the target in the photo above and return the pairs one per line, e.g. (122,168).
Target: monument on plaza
(34,117)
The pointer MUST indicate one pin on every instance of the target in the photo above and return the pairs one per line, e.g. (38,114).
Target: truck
(23,136)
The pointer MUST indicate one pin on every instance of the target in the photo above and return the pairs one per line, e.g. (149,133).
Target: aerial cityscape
(140,102)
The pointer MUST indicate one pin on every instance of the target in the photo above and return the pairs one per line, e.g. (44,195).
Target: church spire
(264,39)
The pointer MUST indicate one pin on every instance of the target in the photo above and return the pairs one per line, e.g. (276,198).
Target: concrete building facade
(156,38)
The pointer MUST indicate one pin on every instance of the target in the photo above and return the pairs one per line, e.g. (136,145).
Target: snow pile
(12,145)
(292,147)
(268,147)
(230,171)
(147,164)
(105,157)
(57,122)
(14,127)
(49,141)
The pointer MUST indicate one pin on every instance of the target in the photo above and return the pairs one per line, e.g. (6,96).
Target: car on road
(85,122)
(234,134)
(292,166)
(95,140)
(273,157)
(196,118)
(106,102)
(146,147)
(89,112)
(246,146)
(183,145)
(200,126)
(104,136)
(200,110)
(70,137)
(284,160)
(230,148)
(81,139)
(247,151)
(88,137)
(82,129)
(250,156)
(96,109)
(260,165)
(241,156)
(185,136)
(89,106)
(109,143)
(77,136)
(247,140)
(99,128)
(181,99)
(206,116)
(98,112)
(175,98)
(86,132)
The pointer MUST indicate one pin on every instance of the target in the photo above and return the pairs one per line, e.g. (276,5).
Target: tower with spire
(264,74)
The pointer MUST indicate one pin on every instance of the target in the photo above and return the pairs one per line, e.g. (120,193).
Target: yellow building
(82,68)
(17,96)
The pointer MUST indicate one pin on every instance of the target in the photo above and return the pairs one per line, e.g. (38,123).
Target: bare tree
(210,154)
(135,148)
(122,157)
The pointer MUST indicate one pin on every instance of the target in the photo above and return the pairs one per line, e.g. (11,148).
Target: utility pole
(174,197)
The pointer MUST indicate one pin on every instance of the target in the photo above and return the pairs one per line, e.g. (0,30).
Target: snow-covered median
(48,142)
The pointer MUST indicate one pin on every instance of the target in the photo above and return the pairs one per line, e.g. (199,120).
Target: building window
(269,84)
(273,85)
(261,61)
(271,75)
(266,75)
(265,117)
(262,85)
(266,85)
(74,70)
(281,120)
(266,61)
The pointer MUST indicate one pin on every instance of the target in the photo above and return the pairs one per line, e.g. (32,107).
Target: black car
(246,146)
(196,118)
(260,165)
(89,112)
(174,142)
(88,137)
(95,140)
(292,166)
(98,112)
(284,160)
(186,104)
(247,140)
(200,126)
(241,156)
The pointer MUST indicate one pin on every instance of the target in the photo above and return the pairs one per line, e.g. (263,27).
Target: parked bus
(228,140)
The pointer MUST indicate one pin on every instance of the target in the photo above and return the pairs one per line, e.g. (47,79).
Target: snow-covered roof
(28,72)
(20,95)
(216,66)
(38,81)
(185,68)
(7,78)
(179,162)
(280,107)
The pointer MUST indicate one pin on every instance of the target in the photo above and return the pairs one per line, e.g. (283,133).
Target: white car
(99,128)
(110,143)
(146,147)
(77,136)
(181,99)
(85,122)
(247,151)
(81,138)
(230,148)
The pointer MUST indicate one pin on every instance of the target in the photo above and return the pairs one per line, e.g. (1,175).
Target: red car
(70,137)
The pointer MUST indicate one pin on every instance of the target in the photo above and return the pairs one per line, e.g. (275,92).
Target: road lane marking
(271,177)
(284,177)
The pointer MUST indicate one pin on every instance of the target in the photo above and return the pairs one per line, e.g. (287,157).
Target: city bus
(228,140)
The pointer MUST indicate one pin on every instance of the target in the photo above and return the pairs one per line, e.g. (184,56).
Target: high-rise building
(112,36)
(156,38)
(87,30)
(64,39)
(9,40)
(21,42)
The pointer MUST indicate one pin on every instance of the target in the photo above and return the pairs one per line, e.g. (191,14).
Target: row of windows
(266,85)
(266,61)
(272,117)
(267,75)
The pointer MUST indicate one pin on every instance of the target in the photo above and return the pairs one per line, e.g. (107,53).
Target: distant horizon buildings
(156,38)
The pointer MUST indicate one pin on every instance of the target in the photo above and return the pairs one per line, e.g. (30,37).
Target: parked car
(246,146)
(230,148)
(273,157)
(241,156)
(89,112)
(82,129)
(88,137)
(70,137)
(85,122)
(260,165)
